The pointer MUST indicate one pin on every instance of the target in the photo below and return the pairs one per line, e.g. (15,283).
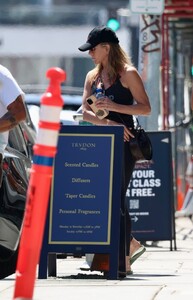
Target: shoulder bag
(140,145)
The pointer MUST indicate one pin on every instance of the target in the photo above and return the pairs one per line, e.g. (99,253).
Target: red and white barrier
(39,186)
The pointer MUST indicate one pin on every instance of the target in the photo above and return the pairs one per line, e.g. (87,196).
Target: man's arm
(16,113)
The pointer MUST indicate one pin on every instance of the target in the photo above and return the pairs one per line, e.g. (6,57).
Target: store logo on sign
(83,146)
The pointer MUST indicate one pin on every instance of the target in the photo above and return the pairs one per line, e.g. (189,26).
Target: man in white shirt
(12,111)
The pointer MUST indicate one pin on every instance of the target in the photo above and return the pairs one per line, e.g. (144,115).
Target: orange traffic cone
(180,194)
(100,263)
(187,207)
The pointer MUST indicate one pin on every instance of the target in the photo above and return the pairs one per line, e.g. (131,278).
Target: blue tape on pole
(43,160)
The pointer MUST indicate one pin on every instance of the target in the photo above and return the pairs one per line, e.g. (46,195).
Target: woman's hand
(127,132)
(106,103)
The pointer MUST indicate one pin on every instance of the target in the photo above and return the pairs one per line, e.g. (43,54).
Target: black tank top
(121,95)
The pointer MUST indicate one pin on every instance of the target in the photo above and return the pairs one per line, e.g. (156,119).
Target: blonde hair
(117,60)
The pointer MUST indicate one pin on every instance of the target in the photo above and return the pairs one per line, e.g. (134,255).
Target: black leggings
(128,166)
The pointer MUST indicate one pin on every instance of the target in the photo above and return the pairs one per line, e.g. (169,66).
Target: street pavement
(159,274)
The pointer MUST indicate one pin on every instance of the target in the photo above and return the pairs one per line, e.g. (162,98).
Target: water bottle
(99,93)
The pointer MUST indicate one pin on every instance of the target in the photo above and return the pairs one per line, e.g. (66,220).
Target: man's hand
(16,113)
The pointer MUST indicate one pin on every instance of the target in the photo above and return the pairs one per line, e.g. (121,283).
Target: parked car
(16,169)
(17,163)
(72,104)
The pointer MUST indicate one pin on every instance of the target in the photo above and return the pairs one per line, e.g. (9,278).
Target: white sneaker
(85,266)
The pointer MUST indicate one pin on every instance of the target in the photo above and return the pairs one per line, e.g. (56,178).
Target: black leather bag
(140,145)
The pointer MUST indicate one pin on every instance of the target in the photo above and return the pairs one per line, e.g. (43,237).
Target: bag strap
(135,119)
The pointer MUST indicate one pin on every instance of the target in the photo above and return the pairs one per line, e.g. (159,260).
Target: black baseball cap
(100,34)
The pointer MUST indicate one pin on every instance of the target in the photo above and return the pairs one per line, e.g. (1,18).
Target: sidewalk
(159,274)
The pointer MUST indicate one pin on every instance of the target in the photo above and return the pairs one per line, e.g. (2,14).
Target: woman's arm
(88,114)
(130,79)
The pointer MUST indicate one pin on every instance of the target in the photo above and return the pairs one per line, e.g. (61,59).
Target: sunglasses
(93,49)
